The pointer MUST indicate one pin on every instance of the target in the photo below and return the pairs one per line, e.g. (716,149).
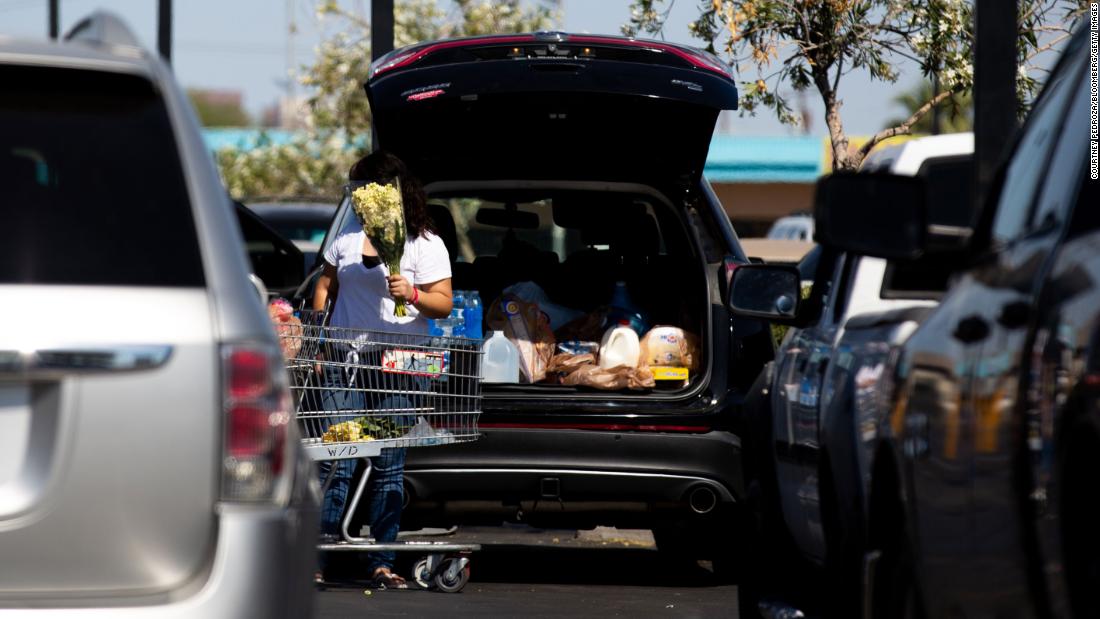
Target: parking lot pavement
(605,573)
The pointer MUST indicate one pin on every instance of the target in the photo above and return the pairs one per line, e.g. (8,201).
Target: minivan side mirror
(769,291)
(872,214)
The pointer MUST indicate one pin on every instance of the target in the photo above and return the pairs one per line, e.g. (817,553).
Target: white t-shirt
(363,300)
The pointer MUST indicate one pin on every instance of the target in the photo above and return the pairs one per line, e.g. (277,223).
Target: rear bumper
(569,471)
(262,567)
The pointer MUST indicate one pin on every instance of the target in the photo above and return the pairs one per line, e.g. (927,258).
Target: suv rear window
(91,186)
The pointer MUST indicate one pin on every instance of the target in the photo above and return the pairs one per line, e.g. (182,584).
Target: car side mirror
(872,214)
(769,291)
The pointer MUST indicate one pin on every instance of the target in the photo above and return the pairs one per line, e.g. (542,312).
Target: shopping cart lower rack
(358,392)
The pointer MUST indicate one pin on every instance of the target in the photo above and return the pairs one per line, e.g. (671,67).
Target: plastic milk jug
(619,346)
(500,362)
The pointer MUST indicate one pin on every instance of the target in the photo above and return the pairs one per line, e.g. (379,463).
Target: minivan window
(93,191)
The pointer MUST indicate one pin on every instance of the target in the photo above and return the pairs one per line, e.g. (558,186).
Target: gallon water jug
(500,363)
(619,346)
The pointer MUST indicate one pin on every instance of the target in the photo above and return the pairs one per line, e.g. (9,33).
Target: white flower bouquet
(382,214)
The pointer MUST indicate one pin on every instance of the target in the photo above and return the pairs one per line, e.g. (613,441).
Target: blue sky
(243,45)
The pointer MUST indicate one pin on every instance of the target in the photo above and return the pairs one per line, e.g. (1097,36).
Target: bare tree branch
(904,127)
(1051,45)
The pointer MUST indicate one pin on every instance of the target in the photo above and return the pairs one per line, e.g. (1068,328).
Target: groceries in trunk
(619,347)
(499,360)
(532,339)
(610,348)
(529,329)
(668,347)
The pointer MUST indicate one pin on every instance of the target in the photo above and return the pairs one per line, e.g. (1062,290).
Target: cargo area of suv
(566,171)
(576,252)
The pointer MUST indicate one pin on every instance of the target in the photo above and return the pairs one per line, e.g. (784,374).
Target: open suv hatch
(575,162)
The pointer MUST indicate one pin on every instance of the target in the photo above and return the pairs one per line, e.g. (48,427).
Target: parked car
(148,458)
(303,223)
(529,149)
(818,399)
(983,481)
(275,260)
(792,228)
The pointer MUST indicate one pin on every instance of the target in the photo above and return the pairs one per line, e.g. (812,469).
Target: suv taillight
(258,428)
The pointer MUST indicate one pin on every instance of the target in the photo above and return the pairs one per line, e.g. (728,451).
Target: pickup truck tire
(1080,509)
(843,553)
(894,592)
(895,595)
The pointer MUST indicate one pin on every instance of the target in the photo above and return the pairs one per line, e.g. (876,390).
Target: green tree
(956,112)
(338,121)
(213,112)
(795,45)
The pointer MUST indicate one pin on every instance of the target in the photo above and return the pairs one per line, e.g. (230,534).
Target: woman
(365,295)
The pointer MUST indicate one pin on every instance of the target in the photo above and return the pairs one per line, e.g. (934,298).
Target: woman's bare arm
(327,285)
(432,300)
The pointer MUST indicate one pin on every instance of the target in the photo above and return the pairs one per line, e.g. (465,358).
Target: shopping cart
(358,392)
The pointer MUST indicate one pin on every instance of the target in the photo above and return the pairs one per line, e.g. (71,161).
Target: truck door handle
(1014,315)
(89,360)
(971,330)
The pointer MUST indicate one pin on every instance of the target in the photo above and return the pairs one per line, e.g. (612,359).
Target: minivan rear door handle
(85,360)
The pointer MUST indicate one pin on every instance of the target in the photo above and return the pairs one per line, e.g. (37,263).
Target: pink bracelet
(416,296)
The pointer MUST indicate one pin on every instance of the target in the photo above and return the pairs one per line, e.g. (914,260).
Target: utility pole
(995,105)
(164,30)
(381,27)
(54,18)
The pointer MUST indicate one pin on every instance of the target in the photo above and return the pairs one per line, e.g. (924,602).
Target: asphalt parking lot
(535,573)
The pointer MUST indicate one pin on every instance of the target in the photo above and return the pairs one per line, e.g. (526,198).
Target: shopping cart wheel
(453,574)
(422,574)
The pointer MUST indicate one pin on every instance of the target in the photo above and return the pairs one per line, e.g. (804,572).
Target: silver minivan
(149,460)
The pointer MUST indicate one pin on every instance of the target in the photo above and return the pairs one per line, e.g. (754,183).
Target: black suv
(575,162)
(983,494)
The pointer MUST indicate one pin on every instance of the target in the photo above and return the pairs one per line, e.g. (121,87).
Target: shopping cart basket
(358,392)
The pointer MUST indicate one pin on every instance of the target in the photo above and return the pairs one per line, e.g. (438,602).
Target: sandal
(385,579)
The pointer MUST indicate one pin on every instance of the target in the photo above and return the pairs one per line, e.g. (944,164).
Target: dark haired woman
(365,293)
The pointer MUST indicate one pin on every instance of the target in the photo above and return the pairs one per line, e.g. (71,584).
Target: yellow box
(669,373)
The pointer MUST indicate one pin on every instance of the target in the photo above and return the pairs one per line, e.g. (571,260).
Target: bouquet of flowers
(382,214)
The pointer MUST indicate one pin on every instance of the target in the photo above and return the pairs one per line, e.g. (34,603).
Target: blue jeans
(384,493)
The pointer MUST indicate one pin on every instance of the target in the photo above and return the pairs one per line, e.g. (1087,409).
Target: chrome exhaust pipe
(702,500)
